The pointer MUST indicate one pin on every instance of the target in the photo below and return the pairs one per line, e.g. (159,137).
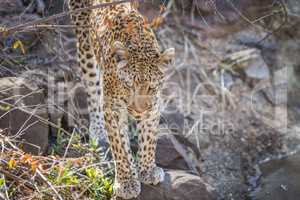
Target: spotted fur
(123,66)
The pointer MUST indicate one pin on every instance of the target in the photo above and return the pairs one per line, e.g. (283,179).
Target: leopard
(124,69)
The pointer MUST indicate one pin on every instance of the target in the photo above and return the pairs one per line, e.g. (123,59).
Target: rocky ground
(280,179)
(230,101)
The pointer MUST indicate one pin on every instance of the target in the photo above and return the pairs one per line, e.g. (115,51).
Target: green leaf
(2,182)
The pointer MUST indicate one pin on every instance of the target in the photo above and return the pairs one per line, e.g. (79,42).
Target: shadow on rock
(178,185)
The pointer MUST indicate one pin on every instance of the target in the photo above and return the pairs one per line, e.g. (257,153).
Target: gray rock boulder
(280,180)
(23,114)
(178,185)
(176,152)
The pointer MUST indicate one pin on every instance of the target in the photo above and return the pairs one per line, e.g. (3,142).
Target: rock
(293,6)
(294,90)
(173,118)
(74,101)
(250,60)
(173,154)
(40,6)
(11,6)
(22,108)
(277,92)
(256,67)
(280,180)
(179,185)
(228,80)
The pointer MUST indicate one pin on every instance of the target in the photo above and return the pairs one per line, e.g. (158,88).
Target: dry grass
(26,176)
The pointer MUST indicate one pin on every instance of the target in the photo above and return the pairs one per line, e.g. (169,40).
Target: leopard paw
(127,189)
(152,177)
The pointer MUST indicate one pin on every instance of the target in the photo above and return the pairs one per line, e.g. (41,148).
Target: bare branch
(35,23)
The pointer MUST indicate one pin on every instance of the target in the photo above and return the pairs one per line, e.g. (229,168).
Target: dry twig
(36,23)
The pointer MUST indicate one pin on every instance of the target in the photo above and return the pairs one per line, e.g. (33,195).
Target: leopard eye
(118,58)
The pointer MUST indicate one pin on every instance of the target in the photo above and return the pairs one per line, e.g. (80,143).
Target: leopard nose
(143,107)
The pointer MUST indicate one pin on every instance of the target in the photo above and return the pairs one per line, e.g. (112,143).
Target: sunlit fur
(120,44)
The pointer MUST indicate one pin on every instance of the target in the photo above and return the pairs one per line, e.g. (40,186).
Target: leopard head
(141,71)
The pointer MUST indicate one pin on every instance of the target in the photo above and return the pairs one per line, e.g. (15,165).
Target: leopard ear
(120,54)
(167,56)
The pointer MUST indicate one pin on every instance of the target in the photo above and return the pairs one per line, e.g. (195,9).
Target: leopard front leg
(149,173)
(126,184)
(90,68)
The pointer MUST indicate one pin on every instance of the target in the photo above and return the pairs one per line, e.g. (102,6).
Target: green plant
(63,176)
(101,187)
(2,182)
(90,180)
